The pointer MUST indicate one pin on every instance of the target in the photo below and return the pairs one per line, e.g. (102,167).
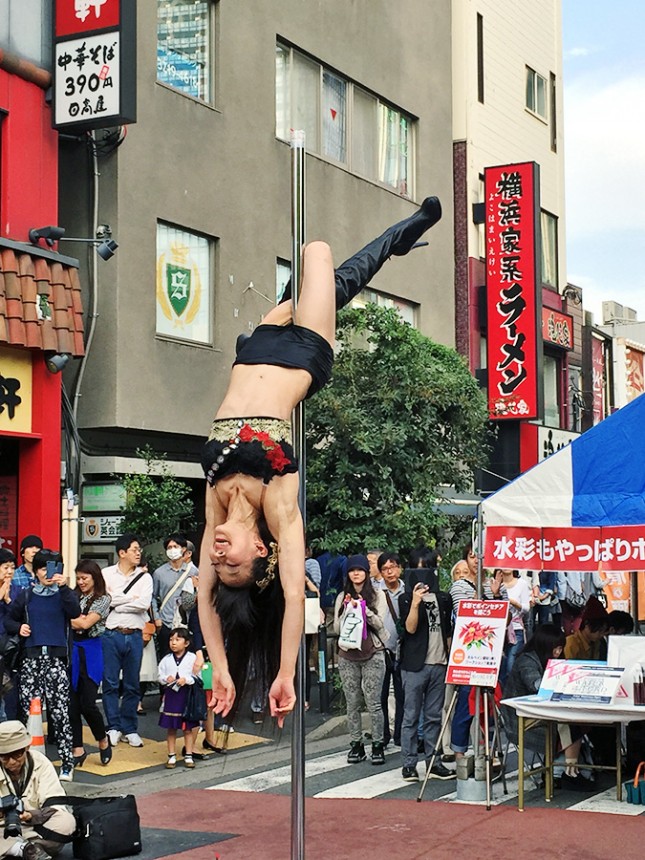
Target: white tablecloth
(574,712)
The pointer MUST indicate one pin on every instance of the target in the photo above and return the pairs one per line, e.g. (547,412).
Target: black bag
(106,827)
(196,708)
(10,650)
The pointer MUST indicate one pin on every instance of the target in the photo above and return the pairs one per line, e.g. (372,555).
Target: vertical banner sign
(513,291)
(477,642)
(598,379)
(94,64)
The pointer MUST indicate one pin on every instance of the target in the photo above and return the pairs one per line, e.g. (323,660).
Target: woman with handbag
(176,675)
(87,660)
(41,615)
(361,660)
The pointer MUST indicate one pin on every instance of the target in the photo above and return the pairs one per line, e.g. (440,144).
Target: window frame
(533,109)
(208,288)
(549,217)
(405,187)
(210,100)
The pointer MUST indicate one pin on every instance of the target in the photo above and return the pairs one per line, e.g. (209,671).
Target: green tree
(157,503)
(401,416)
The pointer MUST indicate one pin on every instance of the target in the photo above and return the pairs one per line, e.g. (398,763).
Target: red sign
(614,548)
(598,379)
(557,328)
(84,16)
(513,297)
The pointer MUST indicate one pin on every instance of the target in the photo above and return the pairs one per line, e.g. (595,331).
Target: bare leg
(171,741)
(317,306)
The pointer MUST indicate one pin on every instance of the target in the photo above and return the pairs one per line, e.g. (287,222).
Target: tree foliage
(401,416)
(157,503)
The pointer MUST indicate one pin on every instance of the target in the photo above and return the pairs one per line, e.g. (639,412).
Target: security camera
(106,250)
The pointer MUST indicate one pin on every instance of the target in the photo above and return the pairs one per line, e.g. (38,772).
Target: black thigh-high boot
(356,272)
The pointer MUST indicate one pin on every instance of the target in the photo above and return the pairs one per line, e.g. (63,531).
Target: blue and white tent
(583,508)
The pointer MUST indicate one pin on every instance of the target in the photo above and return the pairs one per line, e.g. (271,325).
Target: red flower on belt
(274,452)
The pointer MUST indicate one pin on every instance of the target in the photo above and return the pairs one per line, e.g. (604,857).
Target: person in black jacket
(426,614)
(41,615)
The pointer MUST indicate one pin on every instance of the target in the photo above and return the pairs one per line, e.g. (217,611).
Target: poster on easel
(477,643)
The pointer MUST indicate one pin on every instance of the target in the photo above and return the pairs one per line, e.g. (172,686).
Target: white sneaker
(134,740)
(114,736)
(66,774)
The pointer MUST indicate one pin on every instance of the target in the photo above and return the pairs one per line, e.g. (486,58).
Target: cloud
(577,52)
(604,155)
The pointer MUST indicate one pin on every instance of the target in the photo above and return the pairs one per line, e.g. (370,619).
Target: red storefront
(40,310)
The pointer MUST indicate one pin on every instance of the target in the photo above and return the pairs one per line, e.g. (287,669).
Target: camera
(11,807)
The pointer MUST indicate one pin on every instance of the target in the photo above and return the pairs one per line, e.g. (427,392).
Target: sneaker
(448,757)
(378,755)
(134,740)
(66,774)
(356,752)
(114,737)
(188,761)
(438,771)
(410,774)
(171,763)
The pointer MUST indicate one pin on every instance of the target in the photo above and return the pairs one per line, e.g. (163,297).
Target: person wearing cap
(24,575)
(363,669)
(585,643)
(29,776)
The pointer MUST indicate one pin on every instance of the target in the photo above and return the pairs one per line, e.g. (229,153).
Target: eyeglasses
(387,567)
(13,755)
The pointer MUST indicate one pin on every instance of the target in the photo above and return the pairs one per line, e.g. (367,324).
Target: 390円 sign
(94,64)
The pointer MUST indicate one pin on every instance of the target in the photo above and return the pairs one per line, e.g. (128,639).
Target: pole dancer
(252,553)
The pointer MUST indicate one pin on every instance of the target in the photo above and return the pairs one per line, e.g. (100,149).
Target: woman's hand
(282,698)
(496,584)
(180,682)
(223,692)
(170,679)
(25,630)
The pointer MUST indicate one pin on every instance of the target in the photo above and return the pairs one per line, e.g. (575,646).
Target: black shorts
(290,346)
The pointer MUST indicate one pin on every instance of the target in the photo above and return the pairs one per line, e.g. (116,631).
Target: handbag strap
(640,767)
(134,582)
(390,605)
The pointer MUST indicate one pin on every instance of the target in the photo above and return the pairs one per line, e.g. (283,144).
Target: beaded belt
(235,431)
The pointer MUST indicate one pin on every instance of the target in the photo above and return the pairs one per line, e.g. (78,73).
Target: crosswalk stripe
(606,801)
(267,780)
(370,786)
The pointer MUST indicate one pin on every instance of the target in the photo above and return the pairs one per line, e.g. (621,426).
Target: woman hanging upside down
(253,553)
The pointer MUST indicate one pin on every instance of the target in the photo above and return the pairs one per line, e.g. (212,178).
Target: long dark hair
(545,638)
(367,592)
(251,619)
(87,565)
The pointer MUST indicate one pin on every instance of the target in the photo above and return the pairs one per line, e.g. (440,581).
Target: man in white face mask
(168,581)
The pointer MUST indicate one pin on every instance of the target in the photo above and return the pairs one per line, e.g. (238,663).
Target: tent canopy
(590,494)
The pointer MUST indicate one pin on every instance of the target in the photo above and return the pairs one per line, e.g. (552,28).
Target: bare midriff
(264,389)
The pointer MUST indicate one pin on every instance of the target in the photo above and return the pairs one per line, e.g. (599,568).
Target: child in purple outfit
(176,674)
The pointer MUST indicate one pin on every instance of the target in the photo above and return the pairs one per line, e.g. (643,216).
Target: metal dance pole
(298,231)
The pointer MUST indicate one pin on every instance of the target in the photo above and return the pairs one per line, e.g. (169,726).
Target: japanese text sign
(513,291)
(615,548)
(15,391)
(557,328)
(478,642)
(94,63)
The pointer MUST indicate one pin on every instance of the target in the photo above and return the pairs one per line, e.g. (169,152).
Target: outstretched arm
(209,620)
(285,523)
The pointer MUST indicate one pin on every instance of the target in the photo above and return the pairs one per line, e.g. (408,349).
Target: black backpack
(106,827)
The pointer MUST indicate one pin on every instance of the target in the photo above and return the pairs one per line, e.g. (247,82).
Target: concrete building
(507,109)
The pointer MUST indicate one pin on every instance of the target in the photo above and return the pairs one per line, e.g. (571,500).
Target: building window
(184,278)
(535,93)
(480,58)
(554,118)
(185,46)
(549,231)
(282,275)
(552,392)
(576,399)
(343,122)
(407,310)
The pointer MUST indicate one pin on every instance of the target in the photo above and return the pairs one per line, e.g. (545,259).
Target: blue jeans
(122,653)
(510,655)
(461,722)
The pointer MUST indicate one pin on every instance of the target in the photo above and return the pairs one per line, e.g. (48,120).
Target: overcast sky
(604,125)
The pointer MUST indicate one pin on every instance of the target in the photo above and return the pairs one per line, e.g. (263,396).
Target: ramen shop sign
(512,290)
(94,64)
